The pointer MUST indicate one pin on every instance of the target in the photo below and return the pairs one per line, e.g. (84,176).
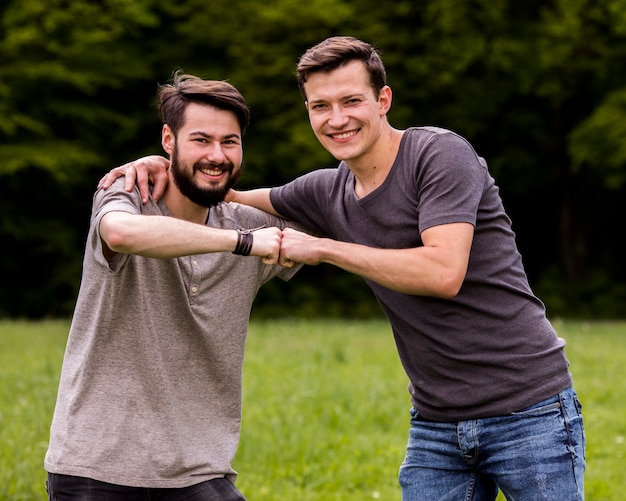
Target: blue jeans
(70,488)
(534,454)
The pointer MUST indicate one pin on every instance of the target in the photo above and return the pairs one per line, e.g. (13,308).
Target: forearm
(435,269)
(417,271)
(259,198)
(162,236)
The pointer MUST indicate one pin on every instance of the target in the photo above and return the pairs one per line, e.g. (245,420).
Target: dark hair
(337,51)
(173,98)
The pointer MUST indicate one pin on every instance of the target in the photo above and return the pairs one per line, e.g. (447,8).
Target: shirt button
(194,289)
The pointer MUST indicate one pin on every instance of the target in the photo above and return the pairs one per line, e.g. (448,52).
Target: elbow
(114,236)
(449,286)
(448,294)
(115,242)
(442,288)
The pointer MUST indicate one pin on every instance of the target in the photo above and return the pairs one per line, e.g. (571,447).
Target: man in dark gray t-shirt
(467,356)
(416,213)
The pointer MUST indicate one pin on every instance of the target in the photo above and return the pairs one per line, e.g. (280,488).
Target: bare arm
(143,170)
(153,169)
(436,269)
(126,233)
(259,198)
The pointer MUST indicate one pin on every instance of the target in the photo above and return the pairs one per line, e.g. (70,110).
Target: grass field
(325,408)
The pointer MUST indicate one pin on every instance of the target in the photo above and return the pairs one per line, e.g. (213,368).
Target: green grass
(325,408)
(30,362)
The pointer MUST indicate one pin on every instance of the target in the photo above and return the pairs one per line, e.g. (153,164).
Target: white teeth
(344,135)
(211,172)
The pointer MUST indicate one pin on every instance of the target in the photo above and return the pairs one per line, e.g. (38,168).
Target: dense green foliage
(539,87)
(325,408)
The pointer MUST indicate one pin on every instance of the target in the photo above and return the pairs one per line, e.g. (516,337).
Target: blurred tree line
(538,87)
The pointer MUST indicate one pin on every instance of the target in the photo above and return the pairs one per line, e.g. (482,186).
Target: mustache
(203,164)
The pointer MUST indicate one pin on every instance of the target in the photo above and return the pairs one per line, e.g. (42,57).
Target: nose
(215,153)
(337,117)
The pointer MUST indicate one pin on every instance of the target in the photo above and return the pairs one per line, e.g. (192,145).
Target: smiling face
(344,112)
(206,154)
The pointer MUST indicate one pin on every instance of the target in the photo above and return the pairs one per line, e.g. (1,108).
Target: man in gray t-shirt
(150,390)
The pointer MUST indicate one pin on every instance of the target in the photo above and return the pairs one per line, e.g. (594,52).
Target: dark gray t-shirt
(490,350)
(150,390)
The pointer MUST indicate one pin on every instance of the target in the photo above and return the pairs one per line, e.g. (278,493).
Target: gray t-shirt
(490,350)
(150,390)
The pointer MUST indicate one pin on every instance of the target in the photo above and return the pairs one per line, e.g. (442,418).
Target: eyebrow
(342,98)
(210,136)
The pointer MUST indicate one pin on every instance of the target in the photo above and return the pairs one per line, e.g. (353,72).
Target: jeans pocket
(579,406)
(544,407)
(579,422)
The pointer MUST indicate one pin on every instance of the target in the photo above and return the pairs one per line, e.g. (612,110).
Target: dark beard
(205,197)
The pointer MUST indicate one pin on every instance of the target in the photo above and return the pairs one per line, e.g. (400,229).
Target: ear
(168,140)
(384,100)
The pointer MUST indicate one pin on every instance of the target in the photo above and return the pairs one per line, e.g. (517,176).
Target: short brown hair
(173,98)
(337,51)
